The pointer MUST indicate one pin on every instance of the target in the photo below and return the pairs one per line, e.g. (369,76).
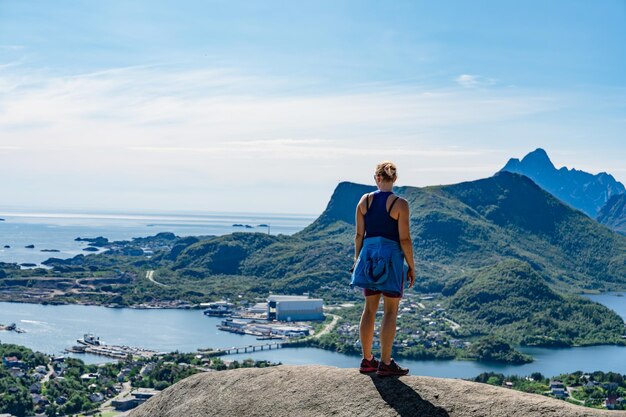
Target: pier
(243,349)
(111,351)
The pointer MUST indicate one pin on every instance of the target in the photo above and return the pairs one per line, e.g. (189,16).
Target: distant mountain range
(613,214)
(581,190)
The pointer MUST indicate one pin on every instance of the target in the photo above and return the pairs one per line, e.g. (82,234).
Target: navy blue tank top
(378,222)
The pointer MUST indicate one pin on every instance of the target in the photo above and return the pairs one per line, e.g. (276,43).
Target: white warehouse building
(294,308)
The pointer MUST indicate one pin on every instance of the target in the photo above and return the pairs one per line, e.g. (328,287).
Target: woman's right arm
(405,238)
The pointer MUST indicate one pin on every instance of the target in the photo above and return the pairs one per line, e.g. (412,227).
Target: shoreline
(112,306)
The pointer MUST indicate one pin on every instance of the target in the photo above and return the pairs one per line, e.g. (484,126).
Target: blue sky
(265,106)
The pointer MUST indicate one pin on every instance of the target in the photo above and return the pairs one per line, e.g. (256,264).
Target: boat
(269,337)
(90,339)
(219,309)
(231,329)
(12,327)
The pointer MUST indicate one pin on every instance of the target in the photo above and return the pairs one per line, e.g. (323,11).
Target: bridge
(243,349)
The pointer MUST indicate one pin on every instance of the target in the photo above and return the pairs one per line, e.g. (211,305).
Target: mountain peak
(323,391)
(582,190)
(538,159)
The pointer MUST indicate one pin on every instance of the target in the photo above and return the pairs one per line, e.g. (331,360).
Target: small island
(99,241)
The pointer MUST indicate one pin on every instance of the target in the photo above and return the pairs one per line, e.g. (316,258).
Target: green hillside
(512,301)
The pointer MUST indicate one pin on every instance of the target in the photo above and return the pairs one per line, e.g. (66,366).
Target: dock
(117,352)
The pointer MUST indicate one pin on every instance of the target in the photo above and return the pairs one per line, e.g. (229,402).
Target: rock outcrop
(324,391)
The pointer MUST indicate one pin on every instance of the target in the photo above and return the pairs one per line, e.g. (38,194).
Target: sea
(51,329)
(57,231)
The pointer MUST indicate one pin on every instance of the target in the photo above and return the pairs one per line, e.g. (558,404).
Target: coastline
(140,306)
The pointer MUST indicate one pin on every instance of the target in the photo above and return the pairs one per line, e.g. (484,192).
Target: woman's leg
(368,318)
(388,328)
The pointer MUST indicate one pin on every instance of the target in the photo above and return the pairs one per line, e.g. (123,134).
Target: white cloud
(159,132)
(470,81)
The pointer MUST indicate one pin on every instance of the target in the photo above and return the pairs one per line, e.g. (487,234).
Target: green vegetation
(497,350)
(593,389)
(512,301)
(175,366)
(422,334)
(75,387)
(15,390)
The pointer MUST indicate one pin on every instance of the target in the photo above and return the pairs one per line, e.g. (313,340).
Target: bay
(51,329)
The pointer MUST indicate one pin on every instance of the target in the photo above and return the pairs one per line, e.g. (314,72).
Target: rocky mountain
(308,391)
(582,190)
(613,214)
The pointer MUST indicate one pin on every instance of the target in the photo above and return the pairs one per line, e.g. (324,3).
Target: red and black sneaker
(393,369)
(368,365)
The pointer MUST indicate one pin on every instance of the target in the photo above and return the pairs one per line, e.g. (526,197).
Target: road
(453,324)
(570,391)
(150,276)
(47,375)
(328,327)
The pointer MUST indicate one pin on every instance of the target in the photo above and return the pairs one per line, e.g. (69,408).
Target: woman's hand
(354,264)
(411,276)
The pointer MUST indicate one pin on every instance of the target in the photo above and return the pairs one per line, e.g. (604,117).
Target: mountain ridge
(613,214)
(582,190)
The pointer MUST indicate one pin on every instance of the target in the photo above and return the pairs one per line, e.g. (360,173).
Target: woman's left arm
(360,229)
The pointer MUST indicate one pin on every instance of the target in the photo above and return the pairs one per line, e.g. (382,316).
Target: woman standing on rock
(382,244)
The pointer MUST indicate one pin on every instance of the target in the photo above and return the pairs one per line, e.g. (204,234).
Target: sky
(174,106)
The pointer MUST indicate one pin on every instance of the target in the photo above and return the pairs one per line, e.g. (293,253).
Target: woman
(382,217)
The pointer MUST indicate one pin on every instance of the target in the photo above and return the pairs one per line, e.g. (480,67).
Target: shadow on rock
(403,399)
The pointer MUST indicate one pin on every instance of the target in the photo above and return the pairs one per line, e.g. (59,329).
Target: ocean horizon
(53,233)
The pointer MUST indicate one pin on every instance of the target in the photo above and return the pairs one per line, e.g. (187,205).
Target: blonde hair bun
(387,170)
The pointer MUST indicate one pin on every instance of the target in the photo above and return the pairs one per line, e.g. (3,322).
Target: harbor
(264,330)
(91,343)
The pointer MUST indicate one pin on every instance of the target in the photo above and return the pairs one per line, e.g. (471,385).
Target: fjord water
(51,329)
